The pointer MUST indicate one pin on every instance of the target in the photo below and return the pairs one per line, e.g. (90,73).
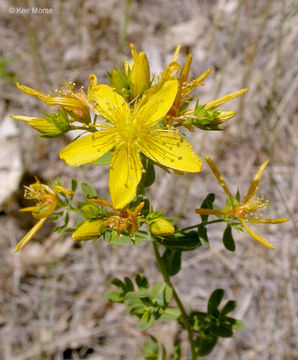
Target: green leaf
(170,314)
(205,345)
(146,321)
(228,239)
(124,239)
(207,204)
(114,296)
(74,185)
(222,331)
(150,350)
(104,159)
(141,281)
(89,211)
(157,293)
(214,301)
(238,325)
(180,241)
(148,177)
(229,306)
(203,236)
(176,351)
(172,261)
(88,191)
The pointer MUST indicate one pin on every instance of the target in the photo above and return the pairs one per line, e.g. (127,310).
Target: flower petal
(89,148)
(256,236)
(218,176)
(267,221)
(215,103)
(125,174)
(169,149)
(255,181)
(109,104)
(30,234)
(156,105)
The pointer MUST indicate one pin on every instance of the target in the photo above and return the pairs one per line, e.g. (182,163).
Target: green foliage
(207,204)
(125,238)
(214,323)
(120,82)
(207,119)
(152,351)
(180,241)
(88,191)
(104,159)
(149,305)
(60,121)
(203,236)
(228,239)
(172,261)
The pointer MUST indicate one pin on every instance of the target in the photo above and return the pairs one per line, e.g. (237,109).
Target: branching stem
(184,315)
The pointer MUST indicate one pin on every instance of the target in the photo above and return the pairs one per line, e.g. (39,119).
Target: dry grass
(51,294)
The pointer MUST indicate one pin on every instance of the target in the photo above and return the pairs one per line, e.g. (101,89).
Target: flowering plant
(134,125)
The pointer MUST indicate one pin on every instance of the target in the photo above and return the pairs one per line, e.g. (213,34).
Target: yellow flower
(185,87)
(246,210)
(139,73)
(75,102)
(129,133)
(47,202)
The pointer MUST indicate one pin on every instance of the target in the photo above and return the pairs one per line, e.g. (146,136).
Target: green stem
(203,223)
(184,315)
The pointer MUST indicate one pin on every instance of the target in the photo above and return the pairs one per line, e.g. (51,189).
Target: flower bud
(161,227)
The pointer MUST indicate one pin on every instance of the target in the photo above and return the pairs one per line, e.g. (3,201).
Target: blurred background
(52,303)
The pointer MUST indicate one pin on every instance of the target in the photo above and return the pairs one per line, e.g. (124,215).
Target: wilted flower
(46,203)
(246,210)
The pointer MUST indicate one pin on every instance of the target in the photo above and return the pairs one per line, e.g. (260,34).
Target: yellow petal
(176,53)
(156,106)
(186,69)
(109,104)
(140,75)
(224,99)
(218,176)
(30,209)
(256,236)
(30,234)
(255,181)
(27,90)
(58,189)
(125,174)
(267,221)
(203,76)
(133,51)
(90,229)
(169,149)
(89,148)
(101,202)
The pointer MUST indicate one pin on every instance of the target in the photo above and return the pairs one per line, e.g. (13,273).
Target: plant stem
(184,315)
(202,223)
